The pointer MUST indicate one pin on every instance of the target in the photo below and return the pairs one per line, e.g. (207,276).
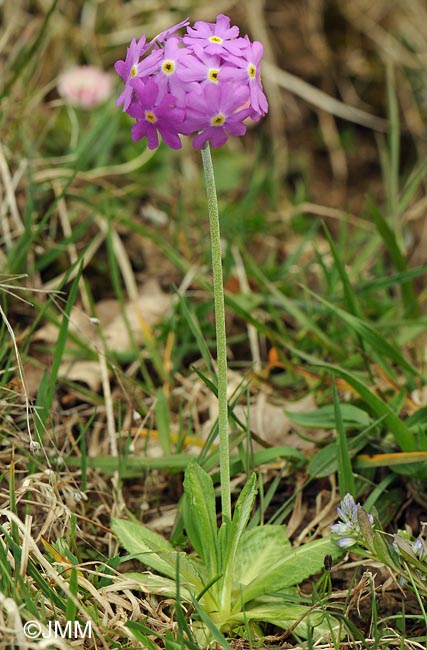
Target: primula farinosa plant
(404,555)
(205,84)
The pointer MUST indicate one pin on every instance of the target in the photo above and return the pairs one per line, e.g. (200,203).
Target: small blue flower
(348,529)
(419,548)
(348,509)
(346,542)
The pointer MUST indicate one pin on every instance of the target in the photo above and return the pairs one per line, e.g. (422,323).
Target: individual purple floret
(248,71)
(214,112)
(348,529)
(215,38)
(175,62)
(204,68)
(132,67)
(155,112)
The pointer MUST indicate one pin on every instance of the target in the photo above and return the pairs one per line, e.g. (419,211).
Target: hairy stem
(221,341)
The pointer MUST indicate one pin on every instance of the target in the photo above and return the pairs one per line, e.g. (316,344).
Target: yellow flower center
(150,117)
(168,67)
(215,39)
(252,71)
(218,120)
(213,75)
(134,71)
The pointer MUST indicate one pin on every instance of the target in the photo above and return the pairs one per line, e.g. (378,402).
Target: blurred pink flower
(85,86)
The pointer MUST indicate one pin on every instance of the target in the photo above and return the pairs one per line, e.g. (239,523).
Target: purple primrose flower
(203,84)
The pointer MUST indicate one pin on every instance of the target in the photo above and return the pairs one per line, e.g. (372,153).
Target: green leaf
(242,511)
(28,53)
(345,470)
(259,549)
(197,332)
(163,421)
(399,261)
(325,461)
(291,569)
(349,294)
(151,583)
(384,282)
(43,408)
(199,515)
(132,465)
(152,549)
(141,633)
(210,625)
(402,434)
(288,615)
(369,335)
(291,308)
(324,417)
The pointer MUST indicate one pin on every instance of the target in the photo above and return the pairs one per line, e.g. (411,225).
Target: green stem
(221,340)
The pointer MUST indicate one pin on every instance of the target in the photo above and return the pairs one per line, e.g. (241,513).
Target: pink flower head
(85,86)
(155,112)
(215,38)
(213,112)
(203,84)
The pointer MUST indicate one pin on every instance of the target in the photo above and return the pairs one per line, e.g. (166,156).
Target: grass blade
(345,470)
(409,297)
(403,436)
